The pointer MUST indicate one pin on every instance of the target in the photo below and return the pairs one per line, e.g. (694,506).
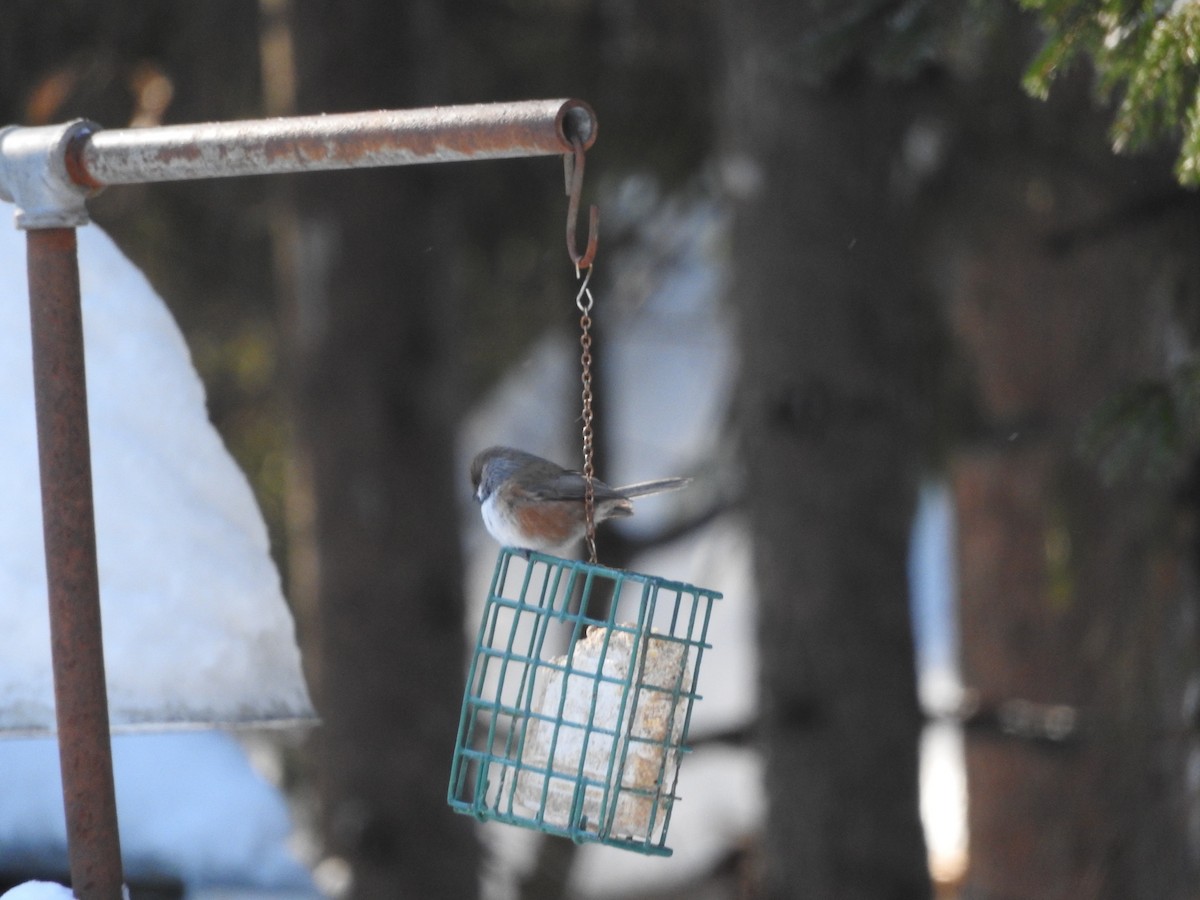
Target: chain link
(584,301)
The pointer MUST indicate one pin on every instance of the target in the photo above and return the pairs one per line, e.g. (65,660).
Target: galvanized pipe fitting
(34,176)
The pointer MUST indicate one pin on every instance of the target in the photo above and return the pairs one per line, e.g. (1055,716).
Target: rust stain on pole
(64,455)
(341,141)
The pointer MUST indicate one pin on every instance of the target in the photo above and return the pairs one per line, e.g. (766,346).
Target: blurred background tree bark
(374,366)
(831,415)
(1065,274)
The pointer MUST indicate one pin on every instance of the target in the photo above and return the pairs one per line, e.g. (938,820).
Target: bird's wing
(570,486)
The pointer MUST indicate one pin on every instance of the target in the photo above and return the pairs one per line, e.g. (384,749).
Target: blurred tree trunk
(830,421)
(1060,265)
(375,368)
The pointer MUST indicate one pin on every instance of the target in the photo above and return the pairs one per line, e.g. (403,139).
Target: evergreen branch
(1148,51)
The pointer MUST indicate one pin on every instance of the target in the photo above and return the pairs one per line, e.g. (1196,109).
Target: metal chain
(573,163)
(584,301)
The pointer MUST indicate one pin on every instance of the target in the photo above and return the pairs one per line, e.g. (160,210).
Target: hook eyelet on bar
(574,170)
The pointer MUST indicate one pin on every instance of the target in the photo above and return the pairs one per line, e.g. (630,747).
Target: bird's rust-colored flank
(553,522)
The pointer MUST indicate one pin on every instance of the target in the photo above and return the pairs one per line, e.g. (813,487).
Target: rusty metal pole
(80,696)
(404,137)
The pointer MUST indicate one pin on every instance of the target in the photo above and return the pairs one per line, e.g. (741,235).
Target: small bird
(530,503)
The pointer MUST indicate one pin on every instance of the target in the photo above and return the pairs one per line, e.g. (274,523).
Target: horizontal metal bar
(339,141)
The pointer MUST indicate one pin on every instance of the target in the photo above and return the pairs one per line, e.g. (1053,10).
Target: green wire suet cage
(578,700)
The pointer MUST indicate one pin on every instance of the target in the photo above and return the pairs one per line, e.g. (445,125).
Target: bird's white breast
(502,525)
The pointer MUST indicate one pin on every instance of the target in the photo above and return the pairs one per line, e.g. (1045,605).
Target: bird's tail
(658,486)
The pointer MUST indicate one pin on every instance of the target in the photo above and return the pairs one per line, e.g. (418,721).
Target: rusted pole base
(64,454)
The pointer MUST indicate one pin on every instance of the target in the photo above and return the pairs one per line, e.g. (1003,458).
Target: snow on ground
(195,624)
(189,806)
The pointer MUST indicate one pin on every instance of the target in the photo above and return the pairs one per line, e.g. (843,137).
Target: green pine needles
(1149,429)
(1148,51)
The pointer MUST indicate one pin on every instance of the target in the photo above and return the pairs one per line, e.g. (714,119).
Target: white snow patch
(39,890)
(195,625)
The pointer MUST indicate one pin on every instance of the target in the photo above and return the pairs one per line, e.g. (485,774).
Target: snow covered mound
(196,629)
(39,890)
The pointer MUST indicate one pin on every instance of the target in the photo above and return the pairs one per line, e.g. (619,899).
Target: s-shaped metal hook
(573,163)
